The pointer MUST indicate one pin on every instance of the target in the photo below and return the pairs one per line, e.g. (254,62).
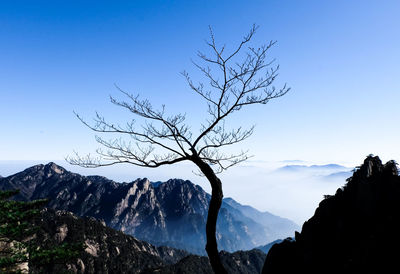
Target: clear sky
(341,59)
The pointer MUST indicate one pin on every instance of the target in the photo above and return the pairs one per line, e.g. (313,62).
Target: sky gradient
(340,58)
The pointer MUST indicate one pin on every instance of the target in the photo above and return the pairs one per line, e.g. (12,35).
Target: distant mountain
(342,175)
(171,213)
(330,168)
(353,231)
(292,161)
(274,226)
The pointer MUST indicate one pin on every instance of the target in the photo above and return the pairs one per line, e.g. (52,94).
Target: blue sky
(339,57)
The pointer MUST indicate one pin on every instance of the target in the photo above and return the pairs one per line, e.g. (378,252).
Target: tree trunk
(213,209)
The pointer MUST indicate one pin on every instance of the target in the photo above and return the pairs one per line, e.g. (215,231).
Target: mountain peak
(48,168)
(373,166)
(51,166)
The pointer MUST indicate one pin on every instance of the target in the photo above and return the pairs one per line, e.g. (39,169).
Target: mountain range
(171,213)
(315,170)
(353,231)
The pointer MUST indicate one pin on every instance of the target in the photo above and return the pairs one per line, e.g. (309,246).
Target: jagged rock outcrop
(172,213)
(106,250)
(110,251)
(354,231)
(240,262)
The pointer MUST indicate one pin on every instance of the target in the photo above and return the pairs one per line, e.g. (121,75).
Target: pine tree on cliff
(18,248)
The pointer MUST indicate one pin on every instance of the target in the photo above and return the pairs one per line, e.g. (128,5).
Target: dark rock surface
(106,250)
(171,213)
(354,231)
(267,247)
(245,262)
(111,251)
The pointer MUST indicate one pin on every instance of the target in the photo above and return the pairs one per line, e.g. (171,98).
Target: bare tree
(236,80)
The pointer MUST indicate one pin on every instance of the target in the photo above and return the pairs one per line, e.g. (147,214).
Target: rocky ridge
(171,213)
(110,251)
(105,250)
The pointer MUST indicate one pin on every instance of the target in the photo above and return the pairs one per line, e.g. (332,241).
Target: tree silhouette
(236,80)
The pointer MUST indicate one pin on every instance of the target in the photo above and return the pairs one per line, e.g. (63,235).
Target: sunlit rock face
(171,213)
(105,250)
(354,231)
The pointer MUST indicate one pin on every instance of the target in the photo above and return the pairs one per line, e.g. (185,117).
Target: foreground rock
(240,262)
(354,231)
(110,251)
(106,250)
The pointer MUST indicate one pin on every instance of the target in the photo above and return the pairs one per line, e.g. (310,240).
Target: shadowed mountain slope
(110,251)
(267,247)
(354,231)
(106,250)
(240,262)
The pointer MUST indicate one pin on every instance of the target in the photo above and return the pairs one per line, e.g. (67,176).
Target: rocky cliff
(171,213)
(353,231)
(110,251)
(240,262)
(106,250)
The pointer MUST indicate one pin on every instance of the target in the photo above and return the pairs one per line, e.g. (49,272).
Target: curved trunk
(213,209)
